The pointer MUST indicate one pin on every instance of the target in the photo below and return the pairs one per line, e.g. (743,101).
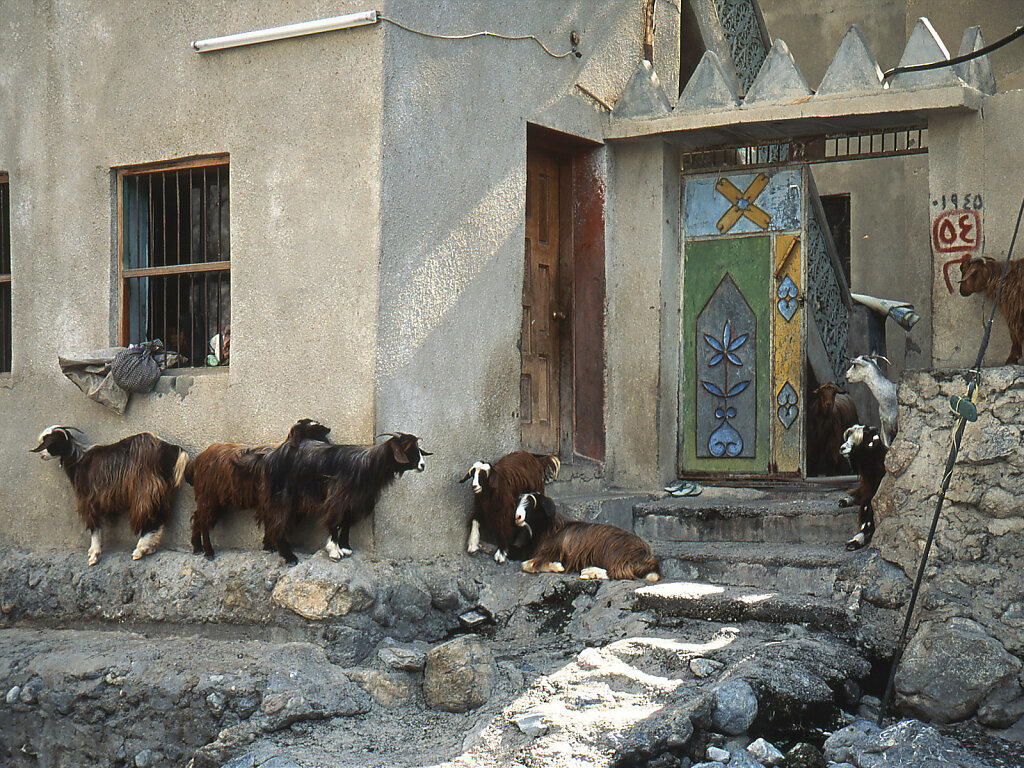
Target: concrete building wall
(453,228)
(88,87)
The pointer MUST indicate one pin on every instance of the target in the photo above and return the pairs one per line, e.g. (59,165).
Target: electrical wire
(548,51)
(956,59)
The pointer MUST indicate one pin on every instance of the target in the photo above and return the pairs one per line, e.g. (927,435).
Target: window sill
(179,380)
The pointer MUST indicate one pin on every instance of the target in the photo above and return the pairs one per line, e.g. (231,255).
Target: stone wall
(973,569)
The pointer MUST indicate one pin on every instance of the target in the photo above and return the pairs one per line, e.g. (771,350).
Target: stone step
(714,602)
(798,568)
(809,516)
(613,507)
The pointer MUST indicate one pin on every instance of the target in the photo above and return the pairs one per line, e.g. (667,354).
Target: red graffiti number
(956,231)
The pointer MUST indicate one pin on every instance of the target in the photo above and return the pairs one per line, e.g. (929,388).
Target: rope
(974,380)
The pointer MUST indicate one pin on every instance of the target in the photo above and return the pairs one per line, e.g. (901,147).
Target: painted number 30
(968,201)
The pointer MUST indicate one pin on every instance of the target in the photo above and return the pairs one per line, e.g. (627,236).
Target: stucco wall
(93,87)
(453,227)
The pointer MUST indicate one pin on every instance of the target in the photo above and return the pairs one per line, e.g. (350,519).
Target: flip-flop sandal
(684,489)
(674,486)
(694,489)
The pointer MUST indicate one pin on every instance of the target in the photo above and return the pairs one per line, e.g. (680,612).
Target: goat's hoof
(593,572)
(93,559)
(845,502)
(500,557)
(208,555)
(472,550)
(857,542)
(196,549)
(556,567)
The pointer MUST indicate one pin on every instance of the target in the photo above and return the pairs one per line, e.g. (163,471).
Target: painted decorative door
(539,383)
(742,347)
(726,340)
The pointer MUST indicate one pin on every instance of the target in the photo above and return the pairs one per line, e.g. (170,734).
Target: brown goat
(595,550)
(139,474)
(982,275)
(829,416)
(496,491)
(230,476)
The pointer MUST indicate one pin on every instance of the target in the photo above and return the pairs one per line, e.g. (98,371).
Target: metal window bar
(171,264)
(6,318)
(814,149)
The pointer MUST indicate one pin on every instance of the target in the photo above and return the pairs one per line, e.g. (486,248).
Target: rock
(900,454)
(245,761)
(1003,707)
(146,758)
(533,723)
(743,759)
(407,657)
(459,675)
(14,694)
(949,668)
(701,667)
(216,701)
(766,753)
(735,707)
(840,747)
(909,743)
(387,690)
(717,755)
(804,755)
(30,693)
(318,589)
(280,761)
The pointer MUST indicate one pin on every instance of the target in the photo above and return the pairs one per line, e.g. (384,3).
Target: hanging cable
(947,475)
(548,51)
(956,59)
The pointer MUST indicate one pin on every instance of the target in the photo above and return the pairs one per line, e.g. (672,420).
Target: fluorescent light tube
(289,30)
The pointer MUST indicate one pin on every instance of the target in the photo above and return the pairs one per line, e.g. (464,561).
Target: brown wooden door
(539,385)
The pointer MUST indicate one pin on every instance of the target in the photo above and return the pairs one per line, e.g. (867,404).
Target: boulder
(320,589)
(459,675)
(735,707)
(949,668)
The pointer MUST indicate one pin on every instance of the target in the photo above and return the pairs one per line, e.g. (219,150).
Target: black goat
(340,484)
(864,447)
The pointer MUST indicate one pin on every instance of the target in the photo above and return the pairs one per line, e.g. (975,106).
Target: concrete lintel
(854,68)
(643,95)
(708,88)
(924,47)
(779,81)
(977,73)
(882,110)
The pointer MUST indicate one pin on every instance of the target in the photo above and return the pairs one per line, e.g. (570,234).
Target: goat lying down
(224,480)
(139,474)
(496,491)
(339,484)
(864,448)
(596,550)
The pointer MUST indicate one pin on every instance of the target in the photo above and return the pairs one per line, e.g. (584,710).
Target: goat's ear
(466,477)
(548,506)
(396,450)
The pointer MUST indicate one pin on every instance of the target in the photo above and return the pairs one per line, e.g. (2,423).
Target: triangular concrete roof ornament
(779,81)
(854,68)
(643,95)
(924,47)
(976,72)
(708,87)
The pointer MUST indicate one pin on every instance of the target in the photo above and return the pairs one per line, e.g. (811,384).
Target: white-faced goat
(864,368)
(224,479)
(339,484)
(595,550)
(140,474)
(496,491)
(828,418)
(864,448)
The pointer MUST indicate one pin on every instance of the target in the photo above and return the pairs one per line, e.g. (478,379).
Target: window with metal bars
(175,259)
(5,274)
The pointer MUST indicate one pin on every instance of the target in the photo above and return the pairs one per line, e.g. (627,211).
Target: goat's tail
(181,466)
(652,577)
(190,474)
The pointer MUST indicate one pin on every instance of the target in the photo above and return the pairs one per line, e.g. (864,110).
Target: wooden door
(539,384)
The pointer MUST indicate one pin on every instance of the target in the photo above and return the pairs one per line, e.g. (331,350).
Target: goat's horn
(385,434)
(881,357)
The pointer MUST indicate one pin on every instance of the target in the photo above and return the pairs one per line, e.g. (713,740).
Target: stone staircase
(775,554)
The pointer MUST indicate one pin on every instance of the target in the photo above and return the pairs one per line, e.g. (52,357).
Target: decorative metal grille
(739,22)
(826,297)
